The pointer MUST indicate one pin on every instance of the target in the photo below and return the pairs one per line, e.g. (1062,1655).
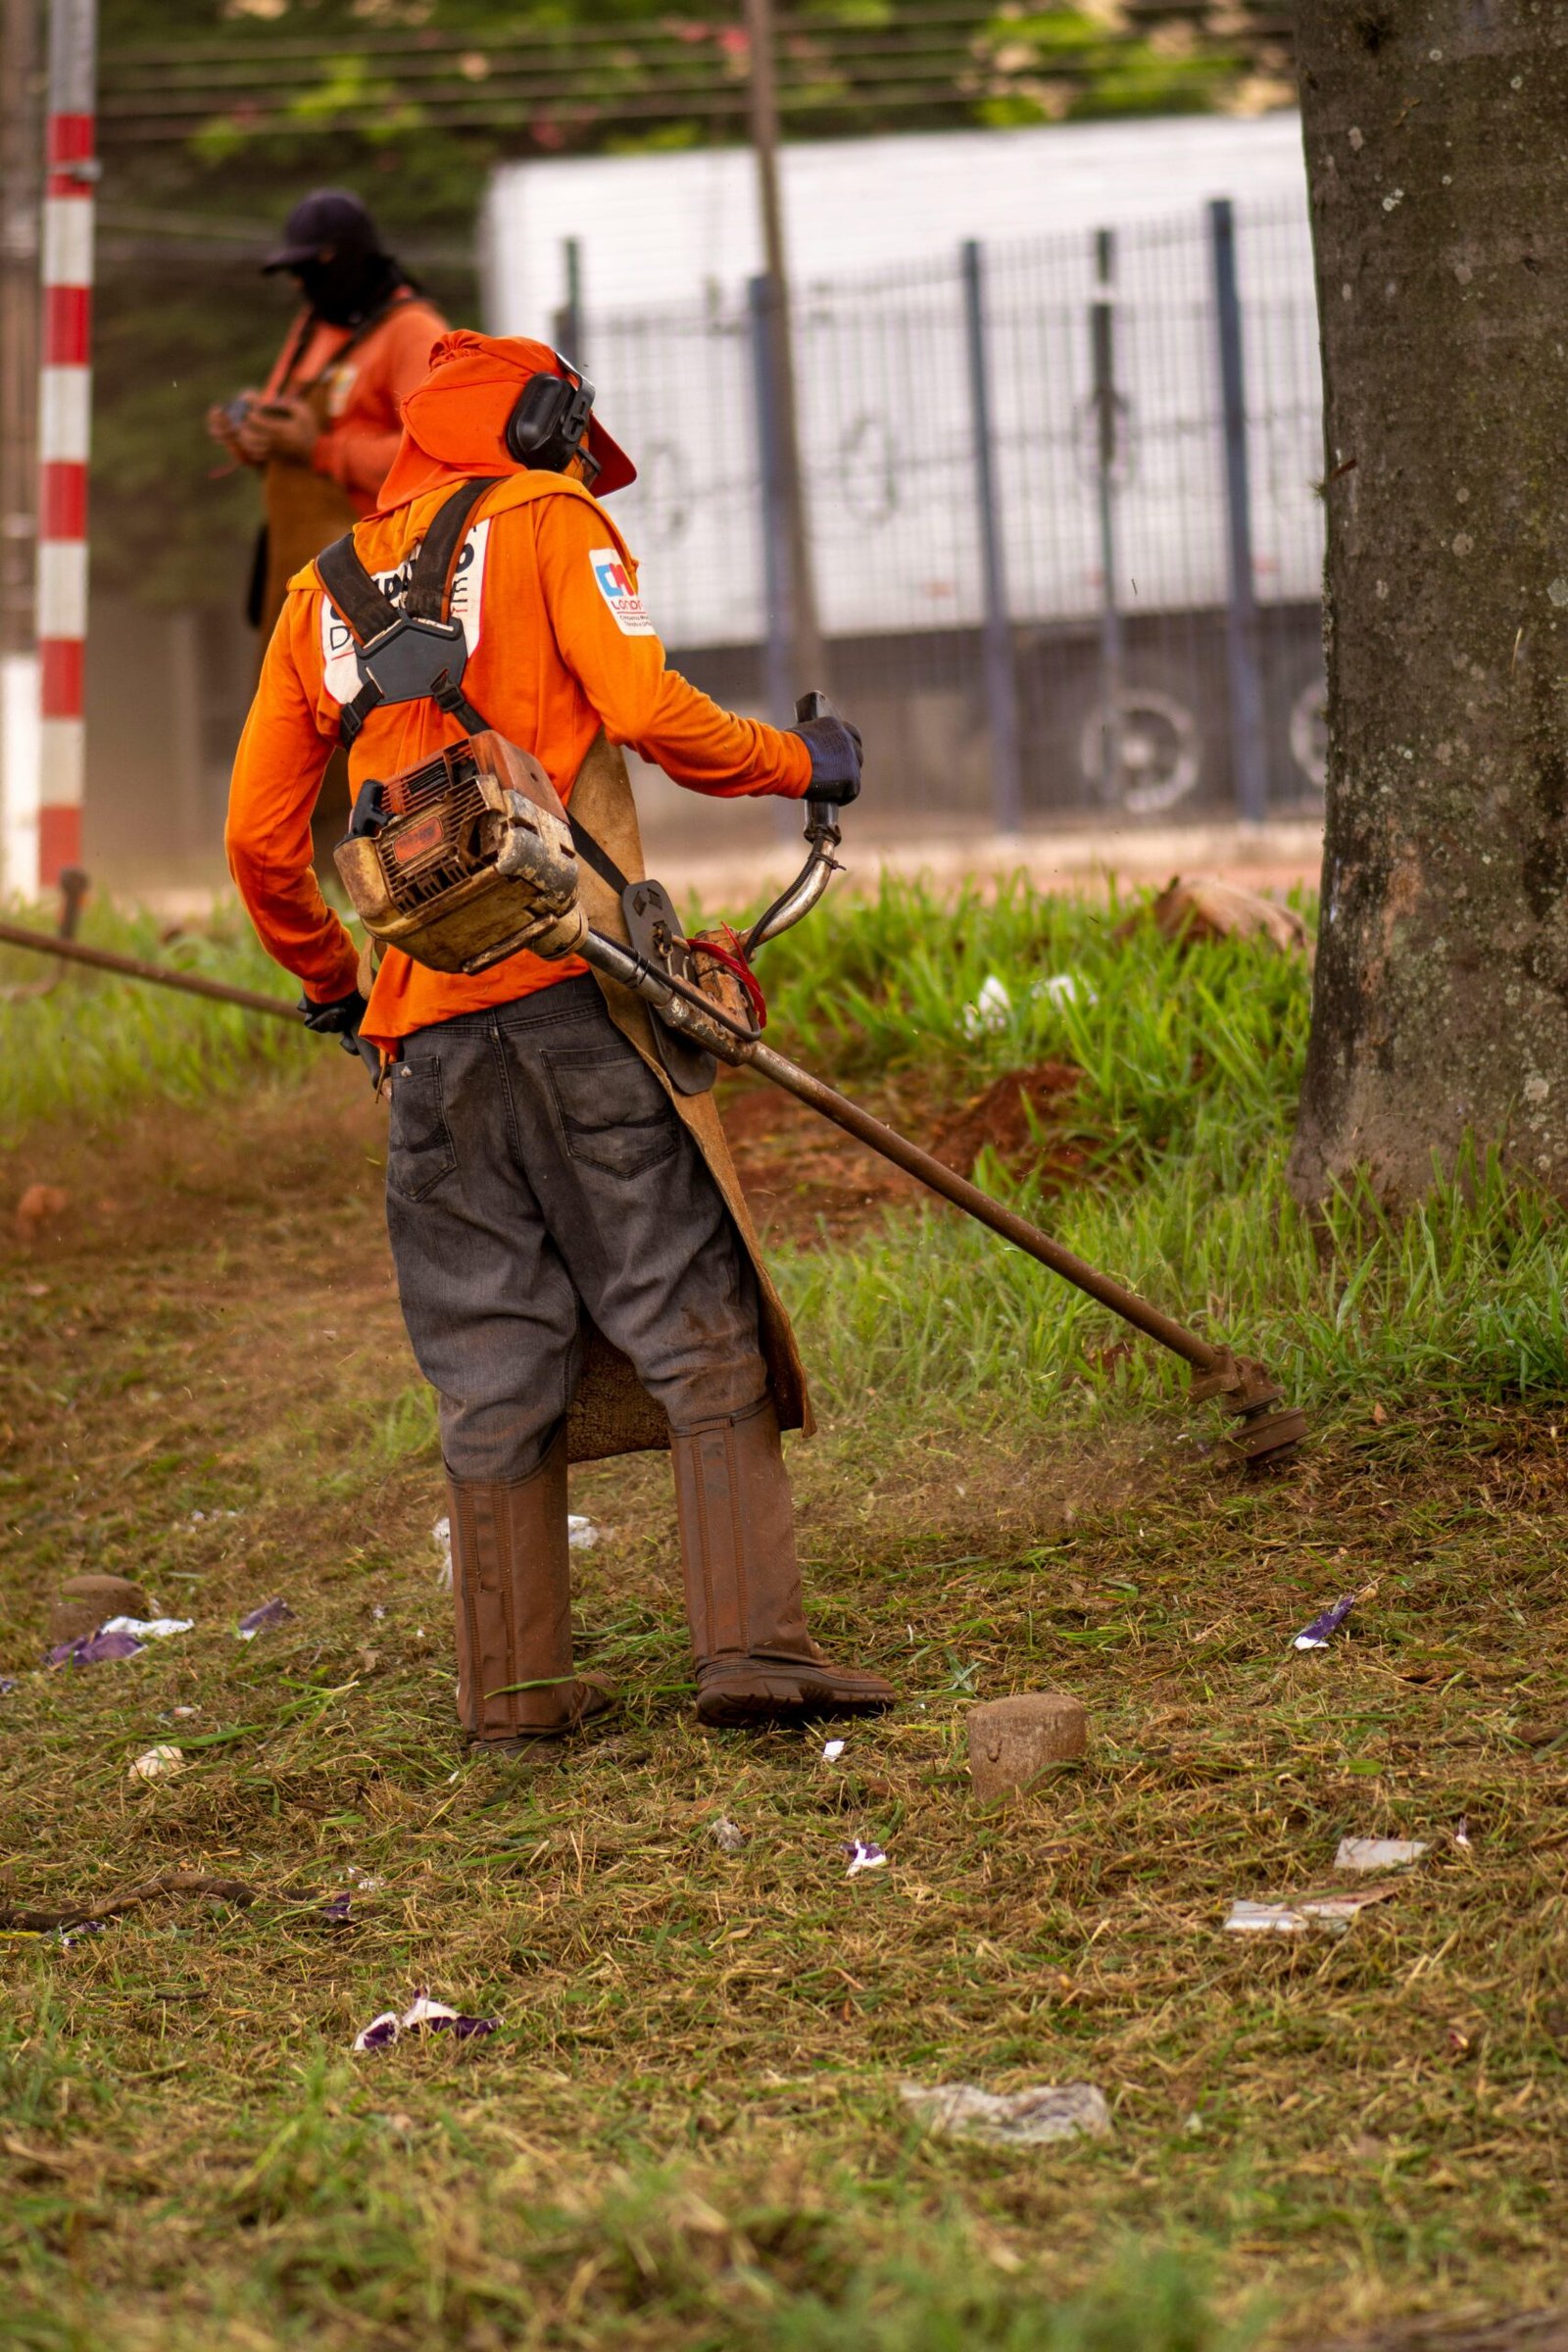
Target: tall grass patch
(97,1042)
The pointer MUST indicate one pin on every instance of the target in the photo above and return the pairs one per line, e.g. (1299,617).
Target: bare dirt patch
(805,1179)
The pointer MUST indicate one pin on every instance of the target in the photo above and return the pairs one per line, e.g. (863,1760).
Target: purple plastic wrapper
(261,1620)
(95,1649)
(338,1912)
(1322,1629)
(422,2015)
(8,1683)
(863,1856)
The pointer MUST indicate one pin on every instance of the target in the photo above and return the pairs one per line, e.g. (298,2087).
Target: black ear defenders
(549,425)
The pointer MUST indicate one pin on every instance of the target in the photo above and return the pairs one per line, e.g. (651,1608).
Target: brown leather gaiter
(737,1539)
(512,1585)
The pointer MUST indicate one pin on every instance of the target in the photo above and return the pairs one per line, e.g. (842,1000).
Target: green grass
(688,2132)
(100,1039)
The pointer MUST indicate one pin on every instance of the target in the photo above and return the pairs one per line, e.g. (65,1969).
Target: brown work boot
(511,1582)
(756,1661)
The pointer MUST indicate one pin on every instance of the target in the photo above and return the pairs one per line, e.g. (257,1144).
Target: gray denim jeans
(536,1168)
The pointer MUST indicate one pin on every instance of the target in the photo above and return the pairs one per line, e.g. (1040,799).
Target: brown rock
(40,1205)
(1013,1740)
(84,1603)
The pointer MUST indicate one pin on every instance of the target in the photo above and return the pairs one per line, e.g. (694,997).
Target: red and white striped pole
(65,416)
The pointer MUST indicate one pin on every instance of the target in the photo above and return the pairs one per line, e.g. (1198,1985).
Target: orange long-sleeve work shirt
(363,389)
(559,644)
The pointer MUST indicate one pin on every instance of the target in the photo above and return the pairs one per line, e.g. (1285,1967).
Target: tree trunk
(1437,150)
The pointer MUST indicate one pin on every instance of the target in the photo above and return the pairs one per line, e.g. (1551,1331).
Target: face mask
(342,289)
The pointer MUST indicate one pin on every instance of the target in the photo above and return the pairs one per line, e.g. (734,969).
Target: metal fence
(1062,499)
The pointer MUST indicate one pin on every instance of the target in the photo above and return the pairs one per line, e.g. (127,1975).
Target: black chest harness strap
(413,651)
(418,652)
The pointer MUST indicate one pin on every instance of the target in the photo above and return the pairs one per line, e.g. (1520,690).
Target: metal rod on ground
(805,629)
(1107,454)
(64,407)
(134,967)
(1002,683)
(1248,747)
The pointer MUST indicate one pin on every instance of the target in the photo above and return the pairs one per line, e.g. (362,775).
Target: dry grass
(688,2132)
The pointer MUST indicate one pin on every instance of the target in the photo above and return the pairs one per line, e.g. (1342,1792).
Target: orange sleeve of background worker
(610,644)
(277,772)
(359,445)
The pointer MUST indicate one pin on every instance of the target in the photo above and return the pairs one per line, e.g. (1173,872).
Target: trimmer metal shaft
(1267,1425)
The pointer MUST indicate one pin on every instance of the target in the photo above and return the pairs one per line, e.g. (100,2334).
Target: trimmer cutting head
(1268,1427)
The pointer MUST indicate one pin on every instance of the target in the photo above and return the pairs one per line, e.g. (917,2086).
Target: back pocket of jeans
(420,1150)
(613,1110)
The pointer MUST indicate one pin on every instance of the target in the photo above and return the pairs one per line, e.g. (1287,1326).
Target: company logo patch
(619,592)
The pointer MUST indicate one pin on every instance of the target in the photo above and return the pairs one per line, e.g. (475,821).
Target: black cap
(326,216)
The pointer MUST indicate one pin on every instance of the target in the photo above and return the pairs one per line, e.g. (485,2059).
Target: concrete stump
(1013,1740)
(84,1603)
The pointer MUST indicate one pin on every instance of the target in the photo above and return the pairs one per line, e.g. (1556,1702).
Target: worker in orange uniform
(325,428)
(577,1271)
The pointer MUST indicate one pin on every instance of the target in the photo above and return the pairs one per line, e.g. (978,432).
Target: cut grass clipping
(688,2130)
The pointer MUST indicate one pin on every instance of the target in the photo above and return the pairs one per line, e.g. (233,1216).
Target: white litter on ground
(147,1629)
(1295,1914)
(157,1764)
(1019,2119)
(1378,1853)
(581,1534)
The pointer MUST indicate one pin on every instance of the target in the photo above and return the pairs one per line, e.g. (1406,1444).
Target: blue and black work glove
(836,755)
(340,1019)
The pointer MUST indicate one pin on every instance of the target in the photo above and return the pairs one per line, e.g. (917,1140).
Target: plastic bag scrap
(1322,1629)
(94,1650)
(159,1763)
(863,1856)
(422,2015)
(1019,2119)
(8,1683)
(441,1538)
(729,1837)
(581,1534)
(1378,1853)
(338,1912)
(261,1620)
(1335,1907)
(117,1637)
(832,1750)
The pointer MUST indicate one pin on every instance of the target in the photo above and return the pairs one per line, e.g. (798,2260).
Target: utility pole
(65,419)
(21,163)
(805,636)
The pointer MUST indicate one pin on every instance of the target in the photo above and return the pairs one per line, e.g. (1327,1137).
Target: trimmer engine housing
(465,858)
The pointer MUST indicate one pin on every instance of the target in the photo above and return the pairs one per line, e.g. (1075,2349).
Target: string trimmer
(472,856)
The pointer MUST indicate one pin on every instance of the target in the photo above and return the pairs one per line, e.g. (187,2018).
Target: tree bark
(1437,150)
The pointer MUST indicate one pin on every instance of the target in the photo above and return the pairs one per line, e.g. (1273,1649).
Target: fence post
(1107,451)
(1248,749)
(567,324)
(1001,680)
(775,508)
